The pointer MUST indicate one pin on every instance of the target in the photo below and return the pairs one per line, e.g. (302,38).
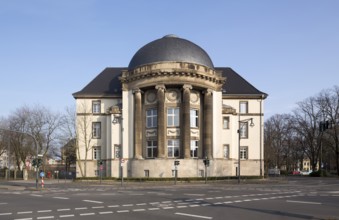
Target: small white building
(170,104)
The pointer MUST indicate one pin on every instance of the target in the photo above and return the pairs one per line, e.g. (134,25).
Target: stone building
(170,104)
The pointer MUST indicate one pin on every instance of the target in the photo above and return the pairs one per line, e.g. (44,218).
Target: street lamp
(36,146)
(117,119)
(241,125)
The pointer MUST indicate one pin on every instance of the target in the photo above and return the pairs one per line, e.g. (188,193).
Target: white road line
(3,203)
(60,198)
(304,202)
(8,213)
(89,213)
(62,210)
(27,212)
(113,206)
(23,219)
(187,194)
(121,211)
(66,216)
(152,209)
(92,201)
(192,206)
(182,206)
(45,217)
(139,210)
(195,216)
(169,207)
(42,211)
(103,213)
(142,204)
(98,207)
(81,208)
(166,202)
(127,205)
(228,202)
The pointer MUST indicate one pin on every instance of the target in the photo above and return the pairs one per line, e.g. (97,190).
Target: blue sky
(51,49)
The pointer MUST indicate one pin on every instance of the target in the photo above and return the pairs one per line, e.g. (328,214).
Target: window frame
(96,106)
(194,148)
(173,117)
(243,130)
(227,120)
(152,117)
(96,152)
(96,131)
(173,148)
(244,153)
(243,105)
(226,155)
(194,118)
(153,149)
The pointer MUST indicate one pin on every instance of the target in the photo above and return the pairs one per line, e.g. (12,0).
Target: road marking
(103,213)
(228,202)
(36,195)
(3,203)
(169,207)
(23,219)
(27,212)
(113,206)
(194,216)
(126,205)
(121,211)
(182,206)
(62,210)
(41,211)
(98,207)
(45,217)
(81,208)
(66,216)
(152,209)
(8,213)
(92,201)
(142,204)
(188,194)
(60,197)
(138,210)
(89,213)
(304,202)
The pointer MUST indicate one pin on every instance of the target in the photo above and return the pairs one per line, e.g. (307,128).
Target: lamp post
(118,119)
(241,125)
(36,146)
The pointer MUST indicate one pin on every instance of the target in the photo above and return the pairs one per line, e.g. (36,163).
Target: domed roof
(168,49)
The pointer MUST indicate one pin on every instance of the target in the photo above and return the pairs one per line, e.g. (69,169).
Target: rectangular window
(97,153)
(146,173)
(152,149)
(173,148)
(194,118)
(243,129)
(226,151)
(173,117)
(226,122)
(96,107)
(243,107)
(117,151)
(151,118)
(194,149)
(96,129)
(243,153)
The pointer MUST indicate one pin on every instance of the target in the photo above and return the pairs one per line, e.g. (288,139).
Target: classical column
(161,120)
(207,126)
(137,124)
(186,127)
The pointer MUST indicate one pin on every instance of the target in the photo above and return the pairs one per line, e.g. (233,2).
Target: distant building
(170,104)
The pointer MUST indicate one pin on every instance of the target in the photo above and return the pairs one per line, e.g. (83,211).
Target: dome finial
(171,35)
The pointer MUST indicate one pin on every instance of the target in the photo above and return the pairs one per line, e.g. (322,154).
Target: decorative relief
(195,97)
(173,95)
(151,132)
(173,132)
(195,133)
(150,97)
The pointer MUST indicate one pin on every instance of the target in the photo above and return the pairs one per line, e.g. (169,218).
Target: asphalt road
(292,198)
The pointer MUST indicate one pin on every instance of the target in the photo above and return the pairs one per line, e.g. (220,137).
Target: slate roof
(107,84)
(170,48)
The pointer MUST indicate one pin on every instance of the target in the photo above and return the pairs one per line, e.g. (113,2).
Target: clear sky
(51,49)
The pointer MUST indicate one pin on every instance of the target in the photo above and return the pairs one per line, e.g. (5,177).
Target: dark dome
(170,48)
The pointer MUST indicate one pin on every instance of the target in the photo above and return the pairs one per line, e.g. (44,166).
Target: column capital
(136,90)
(161,87)
(187,86)
(207,91)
